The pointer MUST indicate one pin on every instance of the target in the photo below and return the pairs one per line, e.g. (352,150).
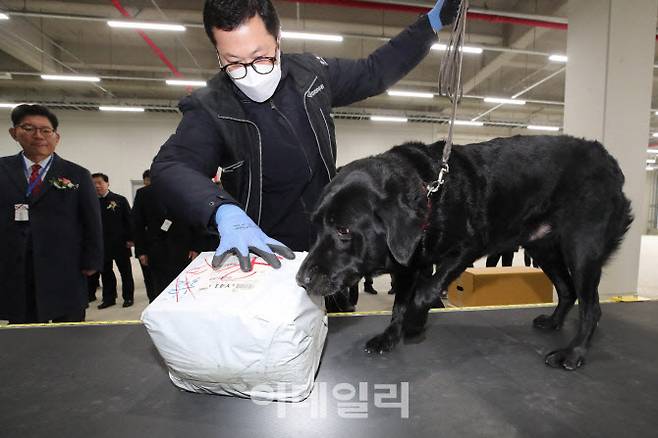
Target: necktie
(34,176)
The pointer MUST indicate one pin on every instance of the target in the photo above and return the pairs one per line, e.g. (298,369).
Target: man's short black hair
(229,14)
(101,175)
(25,110)
(146,174)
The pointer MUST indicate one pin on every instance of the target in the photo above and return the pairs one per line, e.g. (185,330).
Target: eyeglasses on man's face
(31,130)
(262,65)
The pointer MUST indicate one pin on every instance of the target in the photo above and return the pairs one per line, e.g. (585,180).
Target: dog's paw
(546,322)
(381,343)
(568,358)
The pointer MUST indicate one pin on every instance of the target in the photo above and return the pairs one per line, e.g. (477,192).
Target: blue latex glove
(239,235)
(443,13)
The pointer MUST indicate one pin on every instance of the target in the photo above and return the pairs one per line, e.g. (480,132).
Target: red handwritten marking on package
(176,289)
(187,285)
(229,272)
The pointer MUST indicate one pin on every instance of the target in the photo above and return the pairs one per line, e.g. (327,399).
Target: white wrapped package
(223,331)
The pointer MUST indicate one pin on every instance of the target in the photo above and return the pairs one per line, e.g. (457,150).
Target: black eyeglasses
(46,132)
(262,65)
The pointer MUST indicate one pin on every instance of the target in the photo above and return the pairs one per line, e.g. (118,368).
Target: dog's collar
(426,222)
(435,185)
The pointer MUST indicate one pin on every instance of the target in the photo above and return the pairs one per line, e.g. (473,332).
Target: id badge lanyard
(38,180)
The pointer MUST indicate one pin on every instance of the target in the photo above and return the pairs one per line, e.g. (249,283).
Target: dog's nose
(303,280)
(304,277)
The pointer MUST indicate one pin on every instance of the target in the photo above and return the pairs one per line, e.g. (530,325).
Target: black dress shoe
(105,305)
(128,303)
(370,290)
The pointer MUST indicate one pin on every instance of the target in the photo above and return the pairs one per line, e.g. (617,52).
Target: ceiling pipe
(481,15)
(158,52)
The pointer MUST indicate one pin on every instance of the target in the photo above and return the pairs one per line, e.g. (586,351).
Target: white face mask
(258,87)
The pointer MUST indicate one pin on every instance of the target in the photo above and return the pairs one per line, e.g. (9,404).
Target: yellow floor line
(71,324)
(615,299)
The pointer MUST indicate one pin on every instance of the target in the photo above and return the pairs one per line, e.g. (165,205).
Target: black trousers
(93,281)
(162,276)
(148,282)
(31,315)
(492,260)
(529,260)
(122,259)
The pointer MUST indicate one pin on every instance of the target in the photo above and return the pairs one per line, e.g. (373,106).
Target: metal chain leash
(450,86)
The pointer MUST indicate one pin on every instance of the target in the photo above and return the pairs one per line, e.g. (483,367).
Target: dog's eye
(343,232)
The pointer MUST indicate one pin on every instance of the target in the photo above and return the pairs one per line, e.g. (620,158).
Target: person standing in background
(50,228)
(163,244)
(117,235)
(146,269)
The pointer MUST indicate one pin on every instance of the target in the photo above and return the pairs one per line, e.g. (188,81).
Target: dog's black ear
(403,224)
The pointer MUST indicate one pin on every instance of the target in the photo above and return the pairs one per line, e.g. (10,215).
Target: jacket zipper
(260,163)
(317,141)
(328,135)
(308,163)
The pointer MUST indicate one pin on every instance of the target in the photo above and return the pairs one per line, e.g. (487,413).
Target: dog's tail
(621,220)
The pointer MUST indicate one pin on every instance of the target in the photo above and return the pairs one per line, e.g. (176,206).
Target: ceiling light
(311,36)
(652,151)
(8,105)
(656,113)
(466,49)
(468,123)
(650,168)
(651,161)
(389,119)
(4,16)
(400,93)
(125,109)
(543,128)
(504,101)
(146,26)
(558,58)
(655,134)
(186,83)
(71,78)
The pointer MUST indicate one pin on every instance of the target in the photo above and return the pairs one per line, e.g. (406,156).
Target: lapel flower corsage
(112,205)
(62,183)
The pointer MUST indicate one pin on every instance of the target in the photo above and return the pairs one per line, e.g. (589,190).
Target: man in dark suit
(162,243)
(146,270)
(50,226)
(117,236)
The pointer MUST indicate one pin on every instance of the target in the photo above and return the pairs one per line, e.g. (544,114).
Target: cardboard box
(500,286)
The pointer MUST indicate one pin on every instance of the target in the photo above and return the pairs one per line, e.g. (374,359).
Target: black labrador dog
(559,197)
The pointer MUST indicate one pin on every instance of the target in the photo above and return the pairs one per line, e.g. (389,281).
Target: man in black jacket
(163,244)
(265,121)
(117,236)
(50,228)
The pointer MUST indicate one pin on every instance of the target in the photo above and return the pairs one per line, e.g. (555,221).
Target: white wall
(361,138)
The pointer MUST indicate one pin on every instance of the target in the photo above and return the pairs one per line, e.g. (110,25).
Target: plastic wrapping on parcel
(247,334)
